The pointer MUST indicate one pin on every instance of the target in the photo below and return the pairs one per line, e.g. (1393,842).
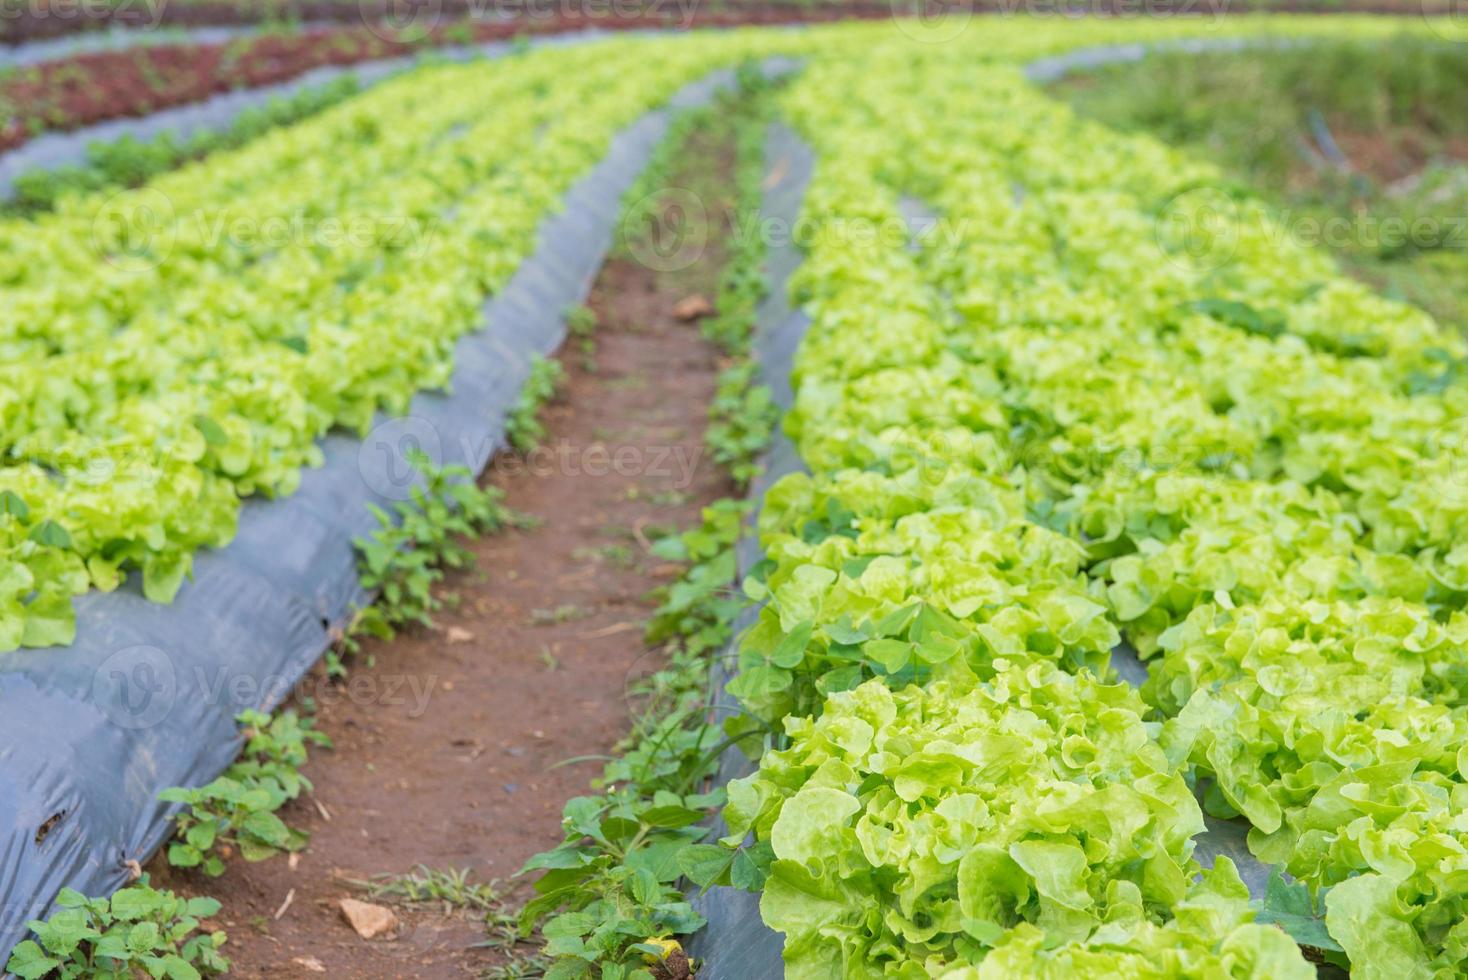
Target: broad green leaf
(1290,906)
(52,535)
(29,962)
(706,864)
(791,649)
(11,505)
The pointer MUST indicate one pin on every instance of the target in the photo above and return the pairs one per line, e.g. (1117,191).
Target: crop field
(802,492)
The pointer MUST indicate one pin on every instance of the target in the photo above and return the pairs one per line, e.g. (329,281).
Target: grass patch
(1362,147)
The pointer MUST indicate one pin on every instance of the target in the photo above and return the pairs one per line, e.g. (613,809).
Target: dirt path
(446,749)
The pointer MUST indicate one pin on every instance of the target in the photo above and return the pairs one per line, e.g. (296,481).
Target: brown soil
(83,89)
(36,21)
(530,670)
(1396,153)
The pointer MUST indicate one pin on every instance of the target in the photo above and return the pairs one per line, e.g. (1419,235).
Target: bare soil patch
(449,745)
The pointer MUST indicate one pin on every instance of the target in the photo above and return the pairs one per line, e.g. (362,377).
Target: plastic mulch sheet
(146,697)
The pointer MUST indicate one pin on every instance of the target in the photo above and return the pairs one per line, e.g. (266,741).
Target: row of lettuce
(1100,399)
(168,350)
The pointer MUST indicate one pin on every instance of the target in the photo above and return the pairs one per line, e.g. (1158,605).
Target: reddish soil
(83,89)
(32,22)
(448,753)
(93,87)
(1395,153)
(90,88)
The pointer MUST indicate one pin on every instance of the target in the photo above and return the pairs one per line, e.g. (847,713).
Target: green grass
(1392,203)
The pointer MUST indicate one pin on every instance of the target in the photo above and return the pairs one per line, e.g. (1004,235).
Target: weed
(452,889)
(741,421)
(238,810)
(743,413)
(1266,117)
(582,324)
(139,931)
(523,426)
(614,877)
(424,885)
(563,613)
(405,558)
(615,554)
(520,968)
(370,621)
(612,890)
(130,162)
